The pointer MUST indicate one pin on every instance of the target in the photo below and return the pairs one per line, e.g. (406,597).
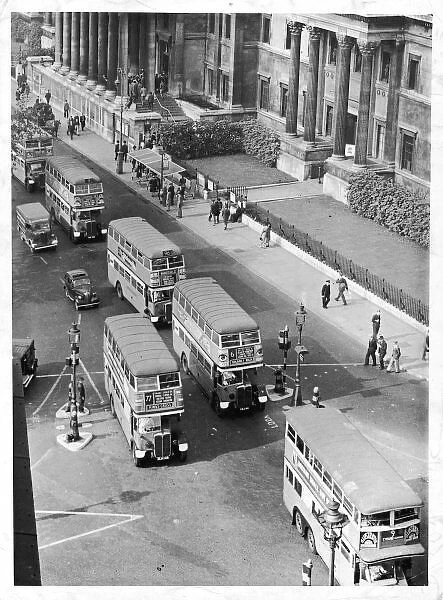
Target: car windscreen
(81,281)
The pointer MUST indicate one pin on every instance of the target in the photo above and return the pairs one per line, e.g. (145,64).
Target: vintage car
(79,289)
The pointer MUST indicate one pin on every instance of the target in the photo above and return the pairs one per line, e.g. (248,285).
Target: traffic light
(284,343)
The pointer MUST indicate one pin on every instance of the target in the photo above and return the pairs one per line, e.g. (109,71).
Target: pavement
(297,275)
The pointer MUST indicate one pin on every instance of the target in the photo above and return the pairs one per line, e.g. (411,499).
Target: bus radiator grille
(244,397)
(162,445)
(91,228)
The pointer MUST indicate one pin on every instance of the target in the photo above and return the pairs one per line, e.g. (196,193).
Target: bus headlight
(182,273)
(77,234)
(259,352)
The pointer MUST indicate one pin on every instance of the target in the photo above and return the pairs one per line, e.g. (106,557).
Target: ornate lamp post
(119,82)
(332,521)
(72,361)
(284,343)
(300,318)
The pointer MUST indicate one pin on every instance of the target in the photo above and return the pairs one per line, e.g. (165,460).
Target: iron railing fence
(379,286)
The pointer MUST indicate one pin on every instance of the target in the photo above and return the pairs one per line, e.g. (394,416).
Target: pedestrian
(66,109)
(149,144)
(117,149)
(17,94)
(71,129)
(27,90)
(142,144)
(171,190)
(342,288)
(395,358)
(125,151)
(382,348)
(426,346)
(326,293)
(372,348)
(215,212)
(150,101)
(168,199)
(225,215)
(180,200)
(163,195)
(48,96)
(376,323)
(82,121)
(81,396)
(77,124)
(162,88)
(265,236)
(56,126)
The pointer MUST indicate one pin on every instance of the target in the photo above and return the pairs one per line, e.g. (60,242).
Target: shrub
(261,142)
(392,205)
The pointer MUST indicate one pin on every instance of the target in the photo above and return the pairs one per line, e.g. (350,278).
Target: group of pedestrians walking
(229,212)
(74,123)
(343,291)
(378,345)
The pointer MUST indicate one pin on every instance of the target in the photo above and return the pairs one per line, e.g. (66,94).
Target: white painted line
(303,364)
(41,258)
(411,456)
(80,535)
(79,320)
(41,458)
(90,381)
(86,514)
(50,392)
(66,375)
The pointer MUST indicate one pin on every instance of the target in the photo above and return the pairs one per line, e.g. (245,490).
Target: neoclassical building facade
(344,91)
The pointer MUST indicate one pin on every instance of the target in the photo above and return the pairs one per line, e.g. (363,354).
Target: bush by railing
(354,272)
(392,205)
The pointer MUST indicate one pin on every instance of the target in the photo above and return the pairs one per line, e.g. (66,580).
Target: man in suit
(382,349)
(376,318)
(372,348)
(326,293)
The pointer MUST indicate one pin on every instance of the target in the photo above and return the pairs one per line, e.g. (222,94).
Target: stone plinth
(275,396)
(301,159)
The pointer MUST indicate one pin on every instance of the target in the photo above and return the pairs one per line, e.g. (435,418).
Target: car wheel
(311,541)
(298,522)
(137,461)
(184,364)
(118,289)
(111,404)
(182,455)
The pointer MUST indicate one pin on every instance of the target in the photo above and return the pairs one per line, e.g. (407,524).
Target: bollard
(316,397)
(306,572)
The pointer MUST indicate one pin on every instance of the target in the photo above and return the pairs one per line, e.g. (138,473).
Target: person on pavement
(376,318)
(382,348)
(372,349)
(163,195)
(395,359)
(426,346)
(265,236)
(342,288)
(150,101)
(76,124)
(171,190)
(326,293)
(66,109)
(48,96)
(117,149)
(82,121)
(56,126)
(225,215)
(125,151)
(215,212)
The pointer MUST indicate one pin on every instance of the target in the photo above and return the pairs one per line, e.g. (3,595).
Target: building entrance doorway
(351,127)
(379,141)
(163,57)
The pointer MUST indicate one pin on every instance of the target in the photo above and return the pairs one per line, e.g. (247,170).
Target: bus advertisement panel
(143,266)
(219,344)
(74,197)
(142,380)
(326,458)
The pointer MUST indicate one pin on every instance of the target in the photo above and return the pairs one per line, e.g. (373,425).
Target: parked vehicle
(29,151)
(34,226)
(78,288)
(24,364)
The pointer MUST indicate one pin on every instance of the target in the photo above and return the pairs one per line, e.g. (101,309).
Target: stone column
(311,93)
(392,104)
(361,146)
(84,48)
(58,41)
(47,20)
(134,41)
(176,75)
(122,61)
(112,55)
(238,36)
(75,46)
(341,95)
(102,66)
(93,43)
(66,43)
(294,72)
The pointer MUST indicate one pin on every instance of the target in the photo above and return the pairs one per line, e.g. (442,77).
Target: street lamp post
(119,82)
(284,343)
(332,521)
(72,361)
(301,351)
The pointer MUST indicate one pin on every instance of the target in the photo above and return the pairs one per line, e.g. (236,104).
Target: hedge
(392,205)
(197,139)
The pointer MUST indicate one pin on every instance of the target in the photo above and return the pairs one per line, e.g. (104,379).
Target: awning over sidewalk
(153,161)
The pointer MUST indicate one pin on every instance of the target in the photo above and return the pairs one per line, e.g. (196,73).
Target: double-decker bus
(326,458)
(143,266)
(142,380)
(74,198)
(218,343)
(29,153)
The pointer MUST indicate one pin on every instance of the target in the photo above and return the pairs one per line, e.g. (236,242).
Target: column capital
(314,32)
(344,41)
(366,47)
(295,27)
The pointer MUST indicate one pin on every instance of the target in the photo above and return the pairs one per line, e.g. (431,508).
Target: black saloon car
(79,289)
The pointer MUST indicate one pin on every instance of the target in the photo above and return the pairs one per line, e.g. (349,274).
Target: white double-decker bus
(219,344)
(143,267)
(326,458)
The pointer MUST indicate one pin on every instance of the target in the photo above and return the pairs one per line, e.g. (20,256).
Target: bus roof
(20,346)
(33,211)
(216,306)
(141,345)
(150,242)
(73,169)
(365,477)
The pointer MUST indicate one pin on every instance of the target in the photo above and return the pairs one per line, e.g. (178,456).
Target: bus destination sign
(159,400)
(241,355)
(168,277)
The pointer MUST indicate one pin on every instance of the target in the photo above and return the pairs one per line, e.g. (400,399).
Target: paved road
(219,518)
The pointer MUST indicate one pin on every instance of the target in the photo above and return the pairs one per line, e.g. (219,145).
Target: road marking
(66,375)
(411,456)
(41,458)
(41,258)
(74,537)
(50,392)
(317,365)
(90,381)
(271,423)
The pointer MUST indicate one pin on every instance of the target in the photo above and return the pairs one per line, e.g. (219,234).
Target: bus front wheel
(137,461)
(184,364)
(119,290)
(311,541)
(298,522)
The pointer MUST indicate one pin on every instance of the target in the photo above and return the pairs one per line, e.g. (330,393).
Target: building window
(227,26)
(407,151)
(332,51)
(264,94)
(288,38)
(379,140)
(266,30)
(210,74)
(225,88)
(385,66)
(328,124)
(283,100)
(357,59)
(413,71)
(211,23)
